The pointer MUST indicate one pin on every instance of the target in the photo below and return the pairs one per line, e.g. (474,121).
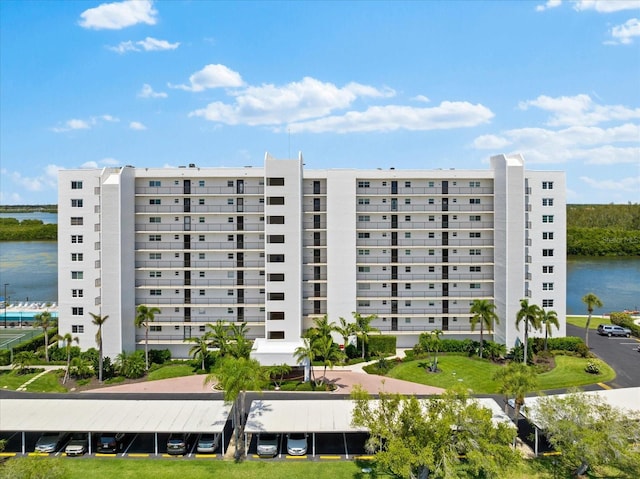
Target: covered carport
(321,417)
(311,416)
(626,399)
(108,415)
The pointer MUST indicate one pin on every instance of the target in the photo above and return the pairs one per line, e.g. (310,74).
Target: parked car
(613,330)
(208,443)
(50,441)
(177,444)
(268,444)
(110,442)
(297,444)
(78,445)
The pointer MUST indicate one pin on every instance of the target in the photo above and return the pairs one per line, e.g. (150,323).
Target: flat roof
(625,398)
(323,416)
(104,415)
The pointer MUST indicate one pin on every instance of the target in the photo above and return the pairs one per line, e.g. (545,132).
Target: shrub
(159,356)
(379,345)
(351,351)
(626,321)
(592,367)
(5,357)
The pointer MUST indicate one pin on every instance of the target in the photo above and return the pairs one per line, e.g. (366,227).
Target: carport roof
(626,398)
(103,415)
(321,416)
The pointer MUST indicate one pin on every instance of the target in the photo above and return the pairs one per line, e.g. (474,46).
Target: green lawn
(49,383)
(581,321)
(109,468)
(10,380)
(171,371)
(477,374)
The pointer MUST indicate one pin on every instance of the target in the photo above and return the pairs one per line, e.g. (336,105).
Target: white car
(268,444)
(297,444)
(77,446)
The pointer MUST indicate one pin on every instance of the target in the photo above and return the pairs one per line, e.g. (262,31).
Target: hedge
(626,321)
(5,357)
(379,345)
(569,343)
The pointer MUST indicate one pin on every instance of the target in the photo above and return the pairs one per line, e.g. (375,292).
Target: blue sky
(349,84)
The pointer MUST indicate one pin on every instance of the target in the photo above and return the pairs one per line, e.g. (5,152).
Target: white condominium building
(277,246)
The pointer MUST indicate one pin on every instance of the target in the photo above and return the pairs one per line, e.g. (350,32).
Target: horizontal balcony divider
(417,207)
(427,278)
(199,264)
(196,227)
(197,191)
(429,295)
(198,246)
(452,225)
(404,260)
(386,328)
(425,190)
(230,302)
(178,209)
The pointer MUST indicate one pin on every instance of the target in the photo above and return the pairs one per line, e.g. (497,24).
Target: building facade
(277,246)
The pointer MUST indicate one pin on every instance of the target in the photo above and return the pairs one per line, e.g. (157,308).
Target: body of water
(31,270)
(46,218)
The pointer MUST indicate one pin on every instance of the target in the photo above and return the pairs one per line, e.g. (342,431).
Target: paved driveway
(619,353)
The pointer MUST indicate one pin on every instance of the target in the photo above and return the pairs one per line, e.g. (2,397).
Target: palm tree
(200,348)
(516,380)
(219,336)
(306,355)
(68,340)
(235,376)
(44,321)
(241,346)
(363,327)
(530,314)
(330,353)
(277,373)
(99,320)
(483,313)
(346,330)
(592,301)
(144,316)
(323,328)
(548,319)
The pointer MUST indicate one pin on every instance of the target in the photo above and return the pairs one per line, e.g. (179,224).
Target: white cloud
(118,15)
(421,98)
(395,117)
(490,142)
(148,44)
(630,183)
(606,6)
(73,124)
(625,33)
(89,165)
(108,118)
(46,180)
(136,125)
(275,105)
(92,164)
(211,76)
(147,92)
(579,110)
(548,5)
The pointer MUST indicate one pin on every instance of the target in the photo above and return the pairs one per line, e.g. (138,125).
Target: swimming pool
(16,318)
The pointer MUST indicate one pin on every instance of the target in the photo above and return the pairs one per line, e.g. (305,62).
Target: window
(155,274)
(201,201)
(230,184)
(155,292)
(363,184)
(431,184)
(275,220)
(431,235)
(77,293)
(364,304)
(276,258)
(547,235)
(547,185)
(77,256)
(407,252)
(432,286)
(547,269)
(407,234)
(547,218)
(229,201)
(155,255)
(364,286)
(154,201)
(76,203)
(407,269)
(77,238)
(432,252)
(407,201)
(75,311)
(432,269)
(76,185)
(547,303)
(77,328)
(474,184)
(432,218)
(474,269)
(276,276)
(407,286)
(229,292)
(201,219)
(474,285)
(200,237)
(77,275)
(275,181)
(547,201)
(407,218)
(364,252)
(155,328)
(229,237)
(201,183)
(474,201)
(364,235)
(201,256)
(474,234)
(276,296)
(76,221)
(363,201)
(547,286)
(155,219)
(276,315)
(474,218)
(407,184)
(475,252)
(547,252)
(275,239)
(155,183)
(431,201)
(364,269)
(364,218)
(275,200)
(155,237)
(201,292)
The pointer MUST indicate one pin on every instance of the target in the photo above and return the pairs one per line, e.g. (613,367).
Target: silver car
(268,444)
(297,444)
(208,443)
(50,441)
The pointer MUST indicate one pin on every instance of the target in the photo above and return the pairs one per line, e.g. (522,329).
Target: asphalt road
(618,352)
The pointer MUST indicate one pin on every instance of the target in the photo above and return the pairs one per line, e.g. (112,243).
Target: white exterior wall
(416,253)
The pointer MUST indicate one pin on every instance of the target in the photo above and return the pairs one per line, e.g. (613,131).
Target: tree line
(27,230)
